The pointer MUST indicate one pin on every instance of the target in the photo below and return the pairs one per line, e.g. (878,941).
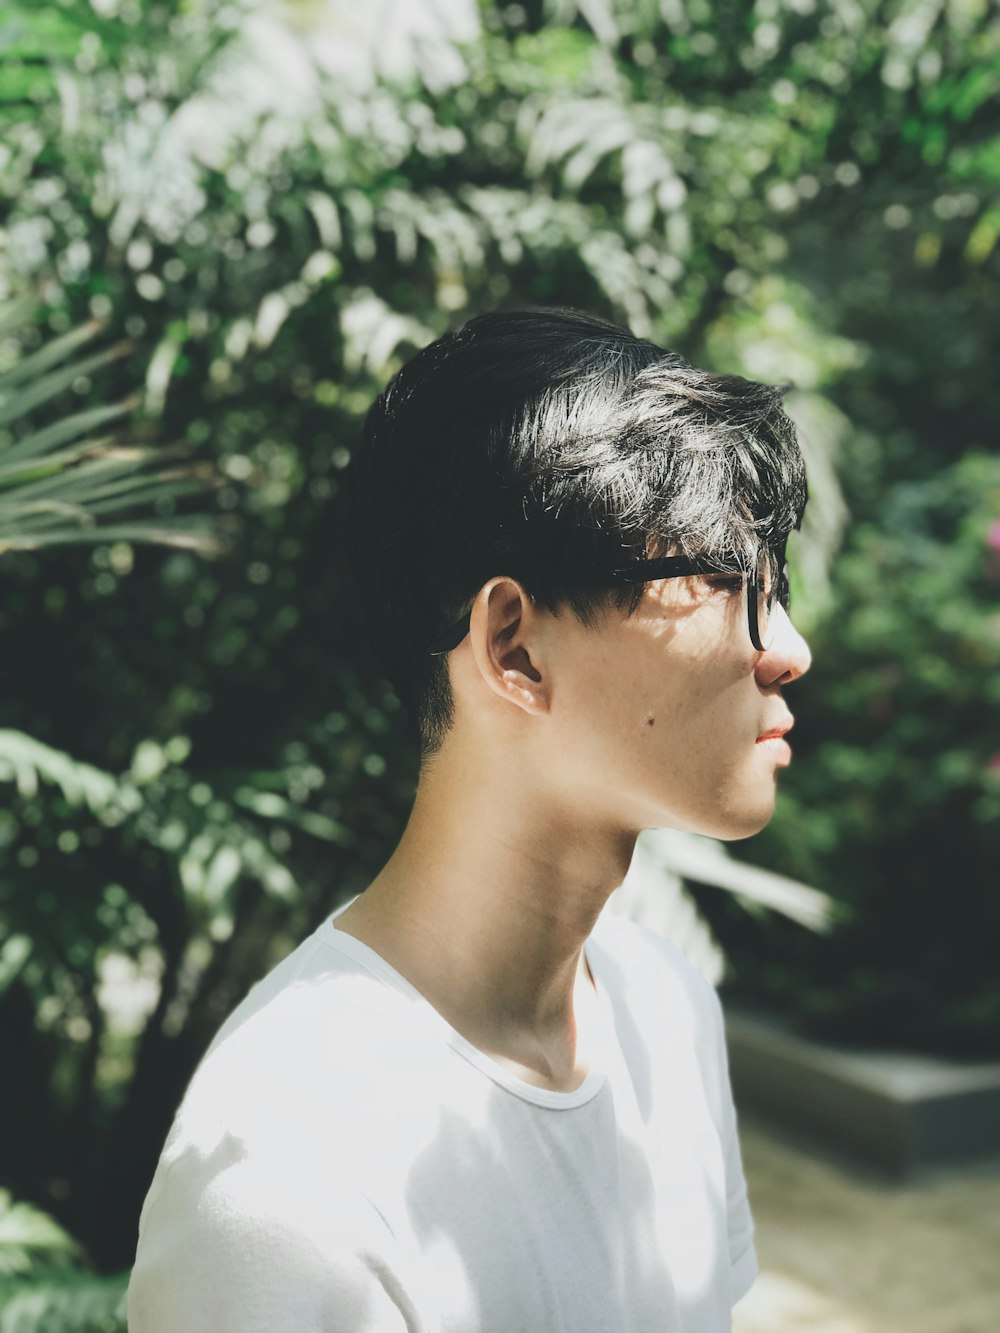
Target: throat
(557,1057)
(558,1066)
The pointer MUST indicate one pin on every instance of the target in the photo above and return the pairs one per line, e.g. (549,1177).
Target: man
(474,1101)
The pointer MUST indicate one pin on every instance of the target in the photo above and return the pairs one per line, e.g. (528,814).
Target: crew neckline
(596,1075)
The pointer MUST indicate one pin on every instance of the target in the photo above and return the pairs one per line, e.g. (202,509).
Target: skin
(567,742)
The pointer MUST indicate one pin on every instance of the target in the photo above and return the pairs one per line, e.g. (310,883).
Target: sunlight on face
(658,714)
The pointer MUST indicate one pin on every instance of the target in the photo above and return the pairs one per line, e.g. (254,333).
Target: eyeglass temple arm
(670,567)
(453,636)
(661,567)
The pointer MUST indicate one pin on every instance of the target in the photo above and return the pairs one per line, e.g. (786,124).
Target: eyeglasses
(763,595)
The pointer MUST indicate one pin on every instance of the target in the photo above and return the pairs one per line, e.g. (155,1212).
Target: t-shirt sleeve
(743,1265)
(239,1252)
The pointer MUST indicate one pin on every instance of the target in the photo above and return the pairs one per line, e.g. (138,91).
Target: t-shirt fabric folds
(344,1161)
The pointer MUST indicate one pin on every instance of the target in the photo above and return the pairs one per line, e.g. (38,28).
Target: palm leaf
(33,390)
(50,355)
(25,760)
(57,488)
(656,894)
(703,860)
(61,432)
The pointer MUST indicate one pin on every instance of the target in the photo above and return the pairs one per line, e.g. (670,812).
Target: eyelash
(731,585)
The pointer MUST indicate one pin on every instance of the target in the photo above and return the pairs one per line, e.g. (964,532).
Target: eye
(731,583)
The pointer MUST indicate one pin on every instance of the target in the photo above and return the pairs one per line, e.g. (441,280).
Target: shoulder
(308,1060)
(268,1170)
(234,1243)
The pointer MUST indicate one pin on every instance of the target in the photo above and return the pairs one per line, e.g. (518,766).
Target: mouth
(776,732)
(773,743)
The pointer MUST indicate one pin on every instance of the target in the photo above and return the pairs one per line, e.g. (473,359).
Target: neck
(485,906)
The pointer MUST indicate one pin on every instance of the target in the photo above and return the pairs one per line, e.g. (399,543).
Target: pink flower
(993,536)
(993,764)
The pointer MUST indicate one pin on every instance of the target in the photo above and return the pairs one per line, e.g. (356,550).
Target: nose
(787,657)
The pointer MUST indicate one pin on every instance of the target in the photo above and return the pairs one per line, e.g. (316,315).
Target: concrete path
(843,1250)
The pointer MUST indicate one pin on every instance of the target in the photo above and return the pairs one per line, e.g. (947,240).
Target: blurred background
(222,227)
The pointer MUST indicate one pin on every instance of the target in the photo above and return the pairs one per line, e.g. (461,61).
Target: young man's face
(656,717)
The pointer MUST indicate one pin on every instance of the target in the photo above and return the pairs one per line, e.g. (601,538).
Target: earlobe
(502,634)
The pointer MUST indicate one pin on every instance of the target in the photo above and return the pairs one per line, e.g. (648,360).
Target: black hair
(550,445)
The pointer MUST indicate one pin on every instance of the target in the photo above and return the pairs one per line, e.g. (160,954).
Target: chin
(733,829)
(749,829)
(725,815)
(735,824)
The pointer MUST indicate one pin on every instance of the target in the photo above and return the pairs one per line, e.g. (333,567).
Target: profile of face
(645,721)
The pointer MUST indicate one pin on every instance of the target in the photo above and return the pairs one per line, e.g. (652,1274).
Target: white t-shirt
(344,1161)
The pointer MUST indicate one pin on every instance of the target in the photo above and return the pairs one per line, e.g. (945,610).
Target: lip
(776,748)
(777,731)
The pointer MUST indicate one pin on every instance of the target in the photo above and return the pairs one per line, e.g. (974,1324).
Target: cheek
(694,711)
(664,688)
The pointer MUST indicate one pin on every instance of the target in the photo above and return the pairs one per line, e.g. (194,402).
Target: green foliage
(797,197)
(56,488)
(58,1301)
(44,1287)
(29,1238)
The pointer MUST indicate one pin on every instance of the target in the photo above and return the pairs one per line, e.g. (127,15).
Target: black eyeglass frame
(663,567)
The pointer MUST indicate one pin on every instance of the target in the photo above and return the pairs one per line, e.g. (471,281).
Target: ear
(506,642)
